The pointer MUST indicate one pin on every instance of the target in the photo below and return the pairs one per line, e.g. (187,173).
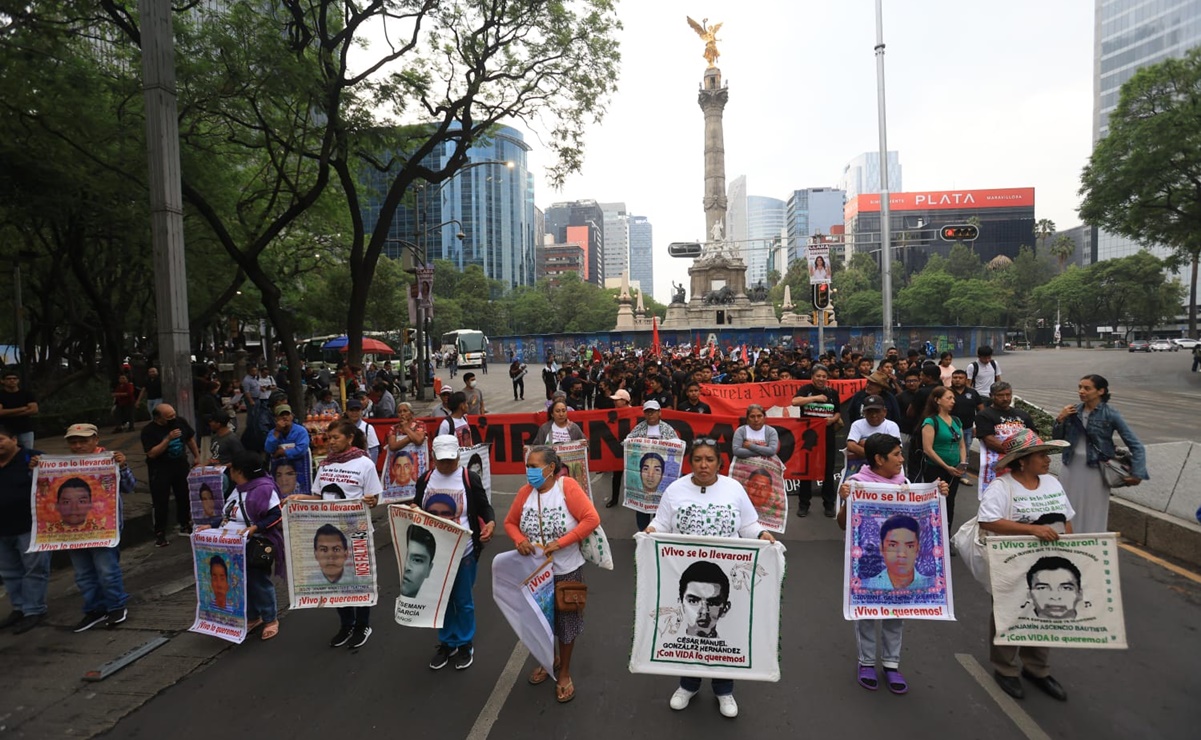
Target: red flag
(655,335)
(696,348)
(744,355)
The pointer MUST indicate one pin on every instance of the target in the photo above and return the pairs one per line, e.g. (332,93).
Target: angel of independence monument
(719,294)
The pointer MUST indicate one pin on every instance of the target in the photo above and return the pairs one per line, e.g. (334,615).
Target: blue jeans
(352,616)
(260,595)
(458,625)
(721,686)
(98,575)
(25,575)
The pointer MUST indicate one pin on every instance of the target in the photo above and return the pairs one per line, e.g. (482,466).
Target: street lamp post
(886,254)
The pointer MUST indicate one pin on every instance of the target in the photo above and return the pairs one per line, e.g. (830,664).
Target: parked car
(1162,345)
(1186,342)
(1139,345)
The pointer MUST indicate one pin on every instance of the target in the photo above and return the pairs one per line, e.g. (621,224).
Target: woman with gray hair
(554,515)
(755,437)
(407,431)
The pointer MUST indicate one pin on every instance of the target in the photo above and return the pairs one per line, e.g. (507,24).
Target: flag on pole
(655,348)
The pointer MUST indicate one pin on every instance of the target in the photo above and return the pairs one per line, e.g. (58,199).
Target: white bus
(470,344)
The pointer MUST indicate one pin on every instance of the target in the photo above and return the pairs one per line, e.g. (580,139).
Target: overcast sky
(980,95)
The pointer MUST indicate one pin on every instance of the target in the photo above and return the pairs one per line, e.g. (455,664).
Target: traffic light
(684,249)
(959,233)
(410,336)
(821,295)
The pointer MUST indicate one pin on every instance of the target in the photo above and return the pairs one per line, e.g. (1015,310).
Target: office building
(862,174)
(582,222)
(617,239)
(808,212)
(764,231)
(642,253)
(556,260)
(736,227)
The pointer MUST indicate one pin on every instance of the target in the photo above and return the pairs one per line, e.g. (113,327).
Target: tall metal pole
(166,205)
(885,236)
(20,316)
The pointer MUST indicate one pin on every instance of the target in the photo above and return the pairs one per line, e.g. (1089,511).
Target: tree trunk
(1192,298)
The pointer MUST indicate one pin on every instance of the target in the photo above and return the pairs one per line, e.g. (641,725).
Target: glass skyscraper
(642,253)
(764,225)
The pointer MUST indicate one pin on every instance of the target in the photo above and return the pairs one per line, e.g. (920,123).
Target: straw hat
(1025,443)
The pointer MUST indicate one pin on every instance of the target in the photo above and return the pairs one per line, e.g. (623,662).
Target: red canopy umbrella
(372,346)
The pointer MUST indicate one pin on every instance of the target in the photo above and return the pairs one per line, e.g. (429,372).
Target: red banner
(732,400)
(802,445)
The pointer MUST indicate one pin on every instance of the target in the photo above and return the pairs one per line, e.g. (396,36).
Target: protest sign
(707,606)
(776,396)
(428,552)
(219,562)
(523,586)
(478,459)
(330,554)
(401,472)
(574,455)
(206,495)
(989,458)
(1066,593)
(897,563)
(292,475)
(651,466)
(75,502)
(763,479)
(817,257)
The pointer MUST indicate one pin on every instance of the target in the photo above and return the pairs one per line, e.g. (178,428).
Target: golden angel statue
(708,34)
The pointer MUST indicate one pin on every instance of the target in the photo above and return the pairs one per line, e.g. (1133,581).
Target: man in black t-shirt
(967,404)
(656,392)
(817,399)
(17,408)
(167,439)
(692,403)
(1001,419)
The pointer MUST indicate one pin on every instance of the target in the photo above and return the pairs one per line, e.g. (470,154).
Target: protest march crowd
(705,446)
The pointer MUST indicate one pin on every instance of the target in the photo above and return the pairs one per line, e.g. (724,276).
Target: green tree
(1076,293)
(1044,228)
(923,301)
(963,263)
(1142,179)
(1062,250)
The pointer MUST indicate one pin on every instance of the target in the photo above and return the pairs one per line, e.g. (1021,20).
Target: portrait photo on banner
(896,556)
(330,553)
(219,562)
(292,476)
(1066,593)
(205,495)
(401,471)
(651,465)
(574,457)
(763,480)
(477,459)
(428,552)
(989,457)
(707,606)
(75,503)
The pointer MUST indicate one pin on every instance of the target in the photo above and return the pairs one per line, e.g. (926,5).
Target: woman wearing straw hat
(1025,500)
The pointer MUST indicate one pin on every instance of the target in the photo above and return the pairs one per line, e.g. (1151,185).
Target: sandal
(566,693)
(253,625)
(896,681)
(271,630)
(868,678)
(538,676)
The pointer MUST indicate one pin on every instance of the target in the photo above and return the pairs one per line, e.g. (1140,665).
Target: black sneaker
(115,617)
(829,511)
(160,540)
(442,656)
(803,511)
(28,622)
(342,637)
(359,638)
(90,620)
(11,620)
(185,530)
(464,656)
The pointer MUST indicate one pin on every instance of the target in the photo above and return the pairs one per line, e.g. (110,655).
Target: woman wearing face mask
(682,510)
(554,515)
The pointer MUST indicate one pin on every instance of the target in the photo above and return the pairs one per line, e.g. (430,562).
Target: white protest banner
(402,469)
(523,586)
(205,495)
(763,479)
(707,606)
(897,563)
(292,475)
(428,552)
(1065,593)
(478,459)
(988,458)
(75,501)
(651,465)
(574,458)
(817,258)
(330,554)
(219,562)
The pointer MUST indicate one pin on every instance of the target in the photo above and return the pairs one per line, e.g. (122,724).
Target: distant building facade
(582,222)
(642,253)
(861,176)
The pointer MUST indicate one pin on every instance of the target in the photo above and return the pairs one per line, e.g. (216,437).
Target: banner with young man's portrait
(330,550)
(1066,593)
(428,550)
(402,469)
(206,497)
(478,459)
(651,466)
(763,480)
(292,475)
(897,560)
(707,607)
(75,501)
(219,562)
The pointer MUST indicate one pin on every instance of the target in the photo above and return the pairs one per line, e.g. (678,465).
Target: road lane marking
(1195,578)
(500,693)
(1024,721)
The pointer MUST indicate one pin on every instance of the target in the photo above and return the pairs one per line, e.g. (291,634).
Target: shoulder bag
(260,551)
(1115,470)
(570,596)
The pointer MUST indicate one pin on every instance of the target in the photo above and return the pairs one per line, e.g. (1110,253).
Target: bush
(1043,422)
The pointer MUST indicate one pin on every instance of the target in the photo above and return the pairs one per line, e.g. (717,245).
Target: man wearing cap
(98,569)
(167,441)
(651,427)
(224,444)
(288,439)
(447,483)
(443,411)
(354,412)
(473,395)
(874,421)
(17,408)
(877,384)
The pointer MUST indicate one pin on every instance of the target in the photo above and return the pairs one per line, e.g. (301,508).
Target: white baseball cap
(446,447)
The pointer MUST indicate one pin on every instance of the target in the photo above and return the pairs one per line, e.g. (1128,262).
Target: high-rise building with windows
(735,227)
(642,253)
(808,212)
(617,239)
(764,228)
(862,174)
(582,222)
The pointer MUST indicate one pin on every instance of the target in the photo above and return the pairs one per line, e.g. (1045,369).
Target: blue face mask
(535,477)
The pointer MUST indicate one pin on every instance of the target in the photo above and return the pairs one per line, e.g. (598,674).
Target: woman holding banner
(558,428)
(706,490)
(651,427)
(554,514)
(819,399)
(406,431)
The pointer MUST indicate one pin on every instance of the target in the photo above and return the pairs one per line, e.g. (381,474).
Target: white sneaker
(727,705)
(680,699)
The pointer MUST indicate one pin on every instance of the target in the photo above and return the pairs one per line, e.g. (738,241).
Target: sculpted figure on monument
(708,34)
(677,295)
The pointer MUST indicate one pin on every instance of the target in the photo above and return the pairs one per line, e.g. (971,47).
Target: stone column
(712,99)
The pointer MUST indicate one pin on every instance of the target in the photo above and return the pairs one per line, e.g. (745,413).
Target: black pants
(164,481)
(829,492)
(355,616)
(933,473)
(518,385)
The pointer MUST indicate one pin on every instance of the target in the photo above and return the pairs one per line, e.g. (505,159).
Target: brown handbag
(570,596)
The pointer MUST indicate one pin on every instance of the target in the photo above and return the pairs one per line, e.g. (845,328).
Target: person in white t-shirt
(346,473)
(983,372)
(874,421)
(710,505)
(456,424)
(354,412)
